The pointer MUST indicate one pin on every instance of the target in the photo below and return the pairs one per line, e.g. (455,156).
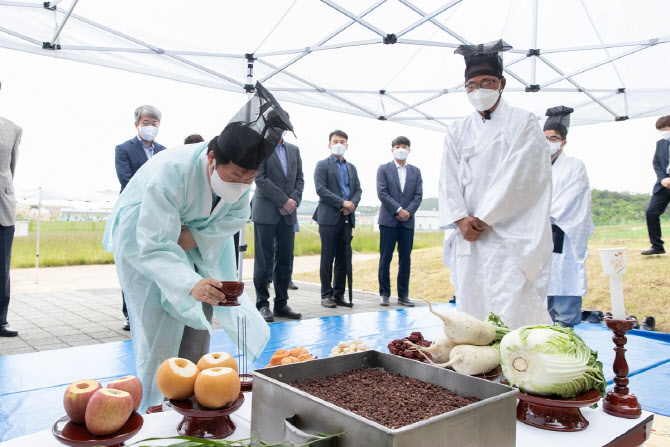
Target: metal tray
(281,413)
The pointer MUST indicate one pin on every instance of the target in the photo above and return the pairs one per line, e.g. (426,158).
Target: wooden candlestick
(619,402)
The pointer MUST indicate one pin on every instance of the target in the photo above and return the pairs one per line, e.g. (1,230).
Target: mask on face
(229,192)
(483,99)
(338,149)
(148,133)
(400,154)
(554,146)
(665,134)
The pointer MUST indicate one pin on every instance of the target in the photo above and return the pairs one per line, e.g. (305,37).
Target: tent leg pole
(39,218)
(242,247)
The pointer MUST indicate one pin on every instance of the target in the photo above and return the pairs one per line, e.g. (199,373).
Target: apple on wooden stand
(129,384)
(107,411)
(77,396)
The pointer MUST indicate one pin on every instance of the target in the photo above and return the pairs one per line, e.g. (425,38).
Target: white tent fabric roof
(382,59)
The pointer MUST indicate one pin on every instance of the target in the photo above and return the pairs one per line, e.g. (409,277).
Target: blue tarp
(32,385)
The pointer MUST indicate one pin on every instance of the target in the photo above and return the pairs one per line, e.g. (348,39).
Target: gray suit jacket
(10,138)
(327,183)
(392,198)
(273,188)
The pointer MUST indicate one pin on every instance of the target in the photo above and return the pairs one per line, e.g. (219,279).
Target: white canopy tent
(382,59)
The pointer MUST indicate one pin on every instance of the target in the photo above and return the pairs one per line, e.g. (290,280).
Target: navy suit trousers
(388,237)
(657,205)
(6,240)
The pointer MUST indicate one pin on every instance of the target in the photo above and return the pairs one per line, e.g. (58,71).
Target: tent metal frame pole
(576,84)
(655,109)
(429,117)
(355,17)
(427,17)
(157,50)
(592,66)
(39,219)
(423,101)
(457,36)
(322,90)
(306,51)
(21,36)
(62,25)
(650,43)
(533,59)
(242,246)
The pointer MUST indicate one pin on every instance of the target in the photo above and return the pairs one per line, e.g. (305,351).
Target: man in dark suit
(400,189)
(339,191)
(661,193)
(131,155)
(279,185)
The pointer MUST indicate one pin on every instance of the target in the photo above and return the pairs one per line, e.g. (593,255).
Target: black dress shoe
(653,251)
(287,312)
(6,331)
(405,302)
(292,286)
(452,299)
(126,325)
(327,302)
(340,302)
(384,301)
(266,314)
(648,324)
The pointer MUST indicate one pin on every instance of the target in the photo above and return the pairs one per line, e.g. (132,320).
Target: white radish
(464,329)
(439,350)
(473,360)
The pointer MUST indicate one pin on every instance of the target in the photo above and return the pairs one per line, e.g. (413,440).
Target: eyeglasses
(487,83)
(554,139)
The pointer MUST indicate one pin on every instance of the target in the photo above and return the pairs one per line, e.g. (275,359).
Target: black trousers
(388,237)
(6,239)
(657,205)
(272,242)
(333,248)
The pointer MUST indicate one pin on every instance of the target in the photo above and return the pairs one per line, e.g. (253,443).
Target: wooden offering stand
(619,402)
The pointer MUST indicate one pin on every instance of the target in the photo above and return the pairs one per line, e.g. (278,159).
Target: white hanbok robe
(571,211)
(157,275)
(500,172)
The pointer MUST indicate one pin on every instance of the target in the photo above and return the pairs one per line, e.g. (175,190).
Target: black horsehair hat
(254,132)
(559,119)
(483,58)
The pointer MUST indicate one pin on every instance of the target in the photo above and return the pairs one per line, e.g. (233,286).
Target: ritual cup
(232,290)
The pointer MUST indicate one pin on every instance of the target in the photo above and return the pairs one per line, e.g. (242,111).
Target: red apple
(107,411)
(129,384)
(77,396)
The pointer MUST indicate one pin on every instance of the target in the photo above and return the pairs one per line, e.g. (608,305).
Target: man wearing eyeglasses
(495,198)
(571,223)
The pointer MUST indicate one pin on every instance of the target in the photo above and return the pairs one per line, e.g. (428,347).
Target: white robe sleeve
(451,203)
(518,199)
(163,260)
(571,208)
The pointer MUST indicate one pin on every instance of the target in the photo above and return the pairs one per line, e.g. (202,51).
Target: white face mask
(338,149)
(400,154)
(483,99)
(554,146)
(148,133)
(665,134)
(229,192)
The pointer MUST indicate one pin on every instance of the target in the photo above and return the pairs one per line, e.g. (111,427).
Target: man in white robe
(171,232)
(571,223)
(495,196)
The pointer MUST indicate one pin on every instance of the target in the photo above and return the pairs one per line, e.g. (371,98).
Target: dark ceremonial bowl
(554,412)
(201,422)
(73,434)
(232,290)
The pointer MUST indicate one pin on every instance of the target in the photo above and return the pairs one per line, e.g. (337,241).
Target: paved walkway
(74,306)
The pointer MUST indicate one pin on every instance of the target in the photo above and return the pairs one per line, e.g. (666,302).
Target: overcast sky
(74,114)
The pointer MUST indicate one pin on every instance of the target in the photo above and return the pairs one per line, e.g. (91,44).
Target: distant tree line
(607,207)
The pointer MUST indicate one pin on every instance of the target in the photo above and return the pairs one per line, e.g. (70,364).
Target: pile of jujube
(401,348)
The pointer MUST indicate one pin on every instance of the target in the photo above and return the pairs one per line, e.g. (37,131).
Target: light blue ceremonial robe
(170,190)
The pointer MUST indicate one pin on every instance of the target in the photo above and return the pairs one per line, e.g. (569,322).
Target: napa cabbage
(545,360)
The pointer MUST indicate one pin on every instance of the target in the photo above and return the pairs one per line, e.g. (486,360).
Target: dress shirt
(281,153)
(402,176)
(149,150)
(344,177)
